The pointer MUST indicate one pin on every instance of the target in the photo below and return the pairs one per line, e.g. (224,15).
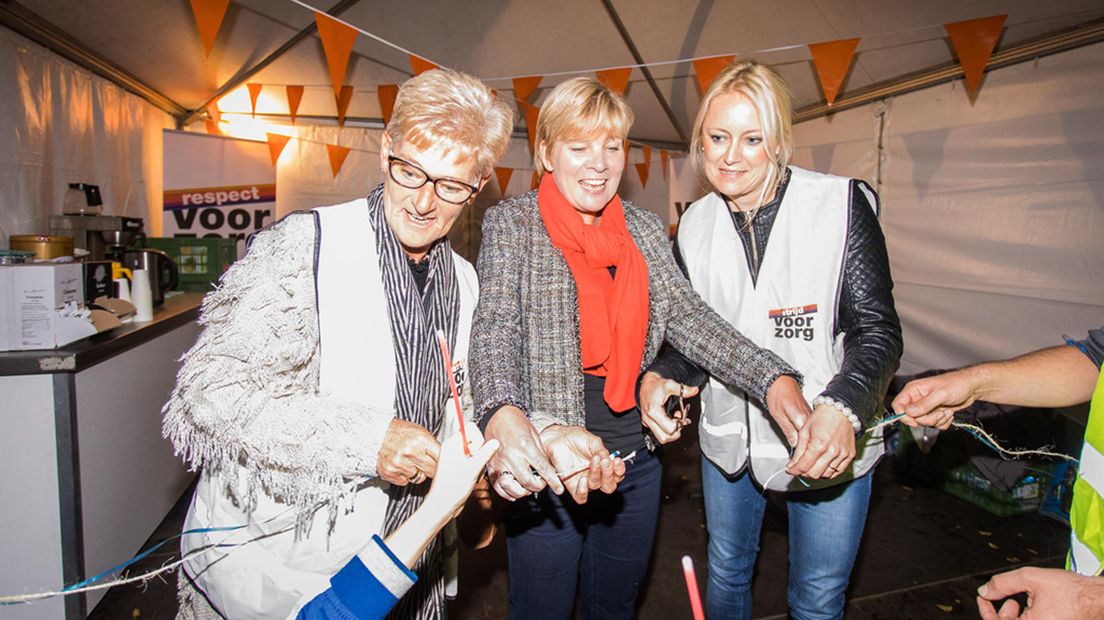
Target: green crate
(200,260)
(947,467)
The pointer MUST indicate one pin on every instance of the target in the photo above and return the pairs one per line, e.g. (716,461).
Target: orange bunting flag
(213,128)
(503,175)
(294,95)
(832,60)
(707,69)
(973,41)
(343,103)
(535,182)
(209,15)
(614,79)
(387,94)
(254,92)
(214,112)
(337,157)
(276,144)
(647,155)
(642,170)
(531,114)
(524,87)
(337,43)
(420,65)
(663,155)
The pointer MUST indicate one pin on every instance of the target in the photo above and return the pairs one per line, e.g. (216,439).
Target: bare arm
(1055,377)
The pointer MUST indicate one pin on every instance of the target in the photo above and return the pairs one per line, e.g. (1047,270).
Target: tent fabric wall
(67,125)
(993,210)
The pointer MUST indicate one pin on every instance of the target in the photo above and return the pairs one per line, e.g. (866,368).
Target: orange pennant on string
(614,79)
(531,114)
(535,182)
(642,170)
(973,41)
(647,154)
(276,144)
(337,157)
(214,112)
(420,65)
(209,15)
(387,94)
(337,43)
(663,155)
(294,96)
(254,92)
(343,103)
(832,60)
(707,69)
(503,175)
(213,128)
(526,86)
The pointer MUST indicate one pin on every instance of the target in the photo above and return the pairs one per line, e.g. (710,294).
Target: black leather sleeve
(867,317)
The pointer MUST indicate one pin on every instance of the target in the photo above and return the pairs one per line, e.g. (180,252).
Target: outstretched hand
(1052,593)
(457,472)
(522,453)
(655,390)
(933,401)
(582,460)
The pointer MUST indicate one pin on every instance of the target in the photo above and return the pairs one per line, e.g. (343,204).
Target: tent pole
(190,115)
(647,73)
(1085,34)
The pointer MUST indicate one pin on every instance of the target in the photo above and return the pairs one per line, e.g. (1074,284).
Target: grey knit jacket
(525,348)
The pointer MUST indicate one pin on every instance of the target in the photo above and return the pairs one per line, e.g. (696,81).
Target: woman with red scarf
(578,289)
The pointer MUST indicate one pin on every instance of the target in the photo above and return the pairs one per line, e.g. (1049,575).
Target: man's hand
(654,392)
(825,445)
(408,454)
(933,401)
(787,406)
(1052,594)
(574,449)
(519,454)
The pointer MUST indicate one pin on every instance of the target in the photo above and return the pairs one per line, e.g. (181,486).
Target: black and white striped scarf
(421,385)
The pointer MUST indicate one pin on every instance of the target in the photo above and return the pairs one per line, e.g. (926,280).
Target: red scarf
(613,312)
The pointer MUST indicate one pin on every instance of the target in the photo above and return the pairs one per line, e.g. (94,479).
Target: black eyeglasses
(410,176)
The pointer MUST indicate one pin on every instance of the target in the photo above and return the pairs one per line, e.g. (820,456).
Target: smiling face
(587,171)
(734,153)
(418,217)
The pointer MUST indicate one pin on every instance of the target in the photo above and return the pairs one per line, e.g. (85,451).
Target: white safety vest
(792,312)
(275,577)
(1086,554)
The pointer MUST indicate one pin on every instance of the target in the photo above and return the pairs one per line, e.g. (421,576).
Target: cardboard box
(31,297)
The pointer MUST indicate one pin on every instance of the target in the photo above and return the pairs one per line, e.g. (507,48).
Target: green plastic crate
(200,260)
(947,466)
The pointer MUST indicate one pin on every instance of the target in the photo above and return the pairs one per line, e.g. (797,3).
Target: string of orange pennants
(973,41)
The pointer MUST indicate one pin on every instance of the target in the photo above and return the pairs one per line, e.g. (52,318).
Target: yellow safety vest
(1087,511)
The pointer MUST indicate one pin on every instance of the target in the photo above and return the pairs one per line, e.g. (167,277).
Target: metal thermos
(163,274)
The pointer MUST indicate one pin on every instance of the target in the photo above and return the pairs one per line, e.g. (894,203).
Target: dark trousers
(603,546)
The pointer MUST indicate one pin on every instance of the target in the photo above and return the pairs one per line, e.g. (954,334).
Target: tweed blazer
(525,347)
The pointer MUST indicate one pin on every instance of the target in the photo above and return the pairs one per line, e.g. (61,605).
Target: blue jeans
(602,545)
(826,526)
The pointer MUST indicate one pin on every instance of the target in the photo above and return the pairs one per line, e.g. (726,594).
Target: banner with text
(217,187)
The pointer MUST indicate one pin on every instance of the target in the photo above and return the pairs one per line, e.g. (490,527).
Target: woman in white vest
(316,396)
(796,261)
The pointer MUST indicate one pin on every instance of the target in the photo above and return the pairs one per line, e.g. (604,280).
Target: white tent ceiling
(158,43)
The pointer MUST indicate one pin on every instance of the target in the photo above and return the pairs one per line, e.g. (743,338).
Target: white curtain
(61,124)
(993,210)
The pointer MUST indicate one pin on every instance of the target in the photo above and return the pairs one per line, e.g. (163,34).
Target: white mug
(142,295)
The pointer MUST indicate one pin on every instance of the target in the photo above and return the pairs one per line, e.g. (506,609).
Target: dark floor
(923,556)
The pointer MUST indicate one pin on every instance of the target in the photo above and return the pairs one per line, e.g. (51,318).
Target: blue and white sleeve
(365,588)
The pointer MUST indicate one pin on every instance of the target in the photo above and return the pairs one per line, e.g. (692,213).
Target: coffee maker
(104,236)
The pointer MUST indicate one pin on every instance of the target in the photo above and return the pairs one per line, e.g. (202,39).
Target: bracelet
(842,408)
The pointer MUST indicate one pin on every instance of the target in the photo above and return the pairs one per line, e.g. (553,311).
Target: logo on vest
(794,322)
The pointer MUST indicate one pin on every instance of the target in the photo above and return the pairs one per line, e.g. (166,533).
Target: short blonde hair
(580,108)
(455,112)
(768,92)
